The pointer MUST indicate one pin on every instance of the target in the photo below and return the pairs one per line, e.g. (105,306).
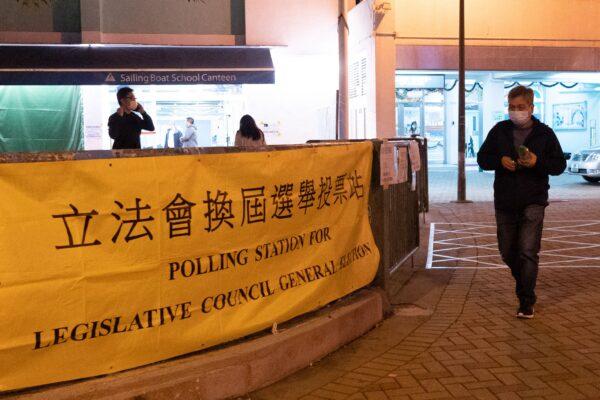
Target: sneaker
(525,312)
(519,311)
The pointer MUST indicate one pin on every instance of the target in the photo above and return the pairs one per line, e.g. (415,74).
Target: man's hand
(139,108)
(509,163)
(528,161)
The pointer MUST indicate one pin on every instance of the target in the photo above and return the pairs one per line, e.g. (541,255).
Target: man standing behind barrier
(124,126)
(523,152)
(190,138)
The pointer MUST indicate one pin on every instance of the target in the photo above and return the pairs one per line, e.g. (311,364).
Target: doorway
(422,113)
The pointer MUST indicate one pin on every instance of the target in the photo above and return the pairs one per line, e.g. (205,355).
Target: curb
(236,369)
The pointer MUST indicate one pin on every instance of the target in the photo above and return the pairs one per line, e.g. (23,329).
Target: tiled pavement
(454,335)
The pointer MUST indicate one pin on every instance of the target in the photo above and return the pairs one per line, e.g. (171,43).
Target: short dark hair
(191,120)
(123,92)
(525,92)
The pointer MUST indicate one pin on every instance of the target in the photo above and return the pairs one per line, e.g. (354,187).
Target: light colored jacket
(189,139)
(242,141)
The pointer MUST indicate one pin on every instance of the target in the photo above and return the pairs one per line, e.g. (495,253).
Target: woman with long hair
(249,135)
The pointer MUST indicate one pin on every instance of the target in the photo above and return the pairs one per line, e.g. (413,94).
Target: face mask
(519,118)
(132,105)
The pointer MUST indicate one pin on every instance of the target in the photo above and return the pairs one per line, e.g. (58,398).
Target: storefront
(427,105)
(216,110)
(173,83)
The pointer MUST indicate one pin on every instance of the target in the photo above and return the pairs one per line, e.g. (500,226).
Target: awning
(133,65)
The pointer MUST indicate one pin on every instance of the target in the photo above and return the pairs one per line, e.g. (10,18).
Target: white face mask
(519,118)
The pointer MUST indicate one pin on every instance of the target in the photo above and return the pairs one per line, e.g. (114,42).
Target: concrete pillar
(493,103)
(342,106)
(451,139)
(372,55)
(385,67)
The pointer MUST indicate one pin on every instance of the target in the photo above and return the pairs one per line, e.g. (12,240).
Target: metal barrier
(394,216)
(423,174)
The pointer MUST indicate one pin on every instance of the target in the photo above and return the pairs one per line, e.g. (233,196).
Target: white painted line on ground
(465,237)
(494,223)
(430,245)
(541,267)
(468,260)
(467,227)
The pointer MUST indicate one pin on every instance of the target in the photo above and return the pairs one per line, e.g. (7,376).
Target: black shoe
(525,312)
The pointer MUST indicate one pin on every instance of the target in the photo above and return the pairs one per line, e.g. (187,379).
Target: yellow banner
(111,264)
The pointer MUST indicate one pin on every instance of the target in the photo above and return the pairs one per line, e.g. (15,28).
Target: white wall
(301,104)
(362,73)
(451,144)
(572,140)
(95,118)
(371,41)
(305,27)
(493,103)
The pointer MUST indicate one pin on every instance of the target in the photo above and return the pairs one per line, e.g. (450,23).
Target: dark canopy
(133,65)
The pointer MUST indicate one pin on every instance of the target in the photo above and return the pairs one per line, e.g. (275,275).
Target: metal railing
(394,216)
(423,174)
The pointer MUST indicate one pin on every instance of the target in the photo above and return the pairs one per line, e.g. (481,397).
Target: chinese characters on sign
(133,223)
(179,216)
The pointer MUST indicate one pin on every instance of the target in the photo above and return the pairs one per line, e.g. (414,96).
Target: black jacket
(126,129)
(526,186)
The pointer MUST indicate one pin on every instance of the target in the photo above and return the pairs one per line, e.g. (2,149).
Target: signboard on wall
(420,81)
(113,77)
(569,116)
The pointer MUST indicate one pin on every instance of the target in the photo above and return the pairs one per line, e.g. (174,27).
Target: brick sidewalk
(457,338)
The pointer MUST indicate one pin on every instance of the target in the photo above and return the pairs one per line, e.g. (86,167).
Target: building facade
(405,53)
(300,105)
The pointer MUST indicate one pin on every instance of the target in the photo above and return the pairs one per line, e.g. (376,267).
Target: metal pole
(342,122)
(462,184)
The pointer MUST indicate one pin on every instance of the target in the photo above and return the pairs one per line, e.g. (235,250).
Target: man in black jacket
(523,152)
(124,126)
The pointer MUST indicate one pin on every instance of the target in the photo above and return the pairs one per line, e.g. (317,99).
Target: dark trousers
(519,241)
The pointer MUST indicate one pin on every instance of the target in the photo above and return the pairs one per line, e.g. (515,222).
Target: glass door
(473,133)
(409,118)
(435,131)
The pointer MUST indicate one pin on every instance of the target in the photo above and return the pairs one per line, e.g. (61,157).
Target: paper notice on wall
(93,137)
(387,164)
(402,165)
(415,156)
